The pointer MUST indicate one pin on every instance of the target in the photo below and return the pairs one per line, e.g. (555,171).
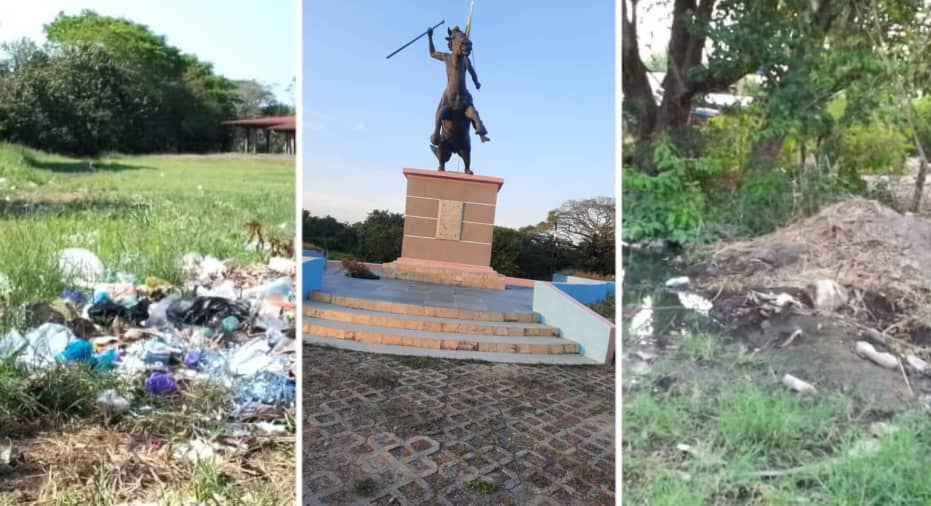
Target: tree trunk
(922,173)
(635,85)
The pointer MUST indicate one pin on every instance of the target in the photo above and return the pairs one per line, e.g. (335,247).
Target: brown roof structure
(266,122)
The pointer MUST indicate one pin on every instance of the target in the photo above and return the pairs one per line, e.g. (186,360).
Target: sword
(413,41)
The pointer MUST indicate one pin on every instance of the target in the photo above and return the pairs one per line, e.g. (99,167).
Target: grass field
(139,215)
(708,425)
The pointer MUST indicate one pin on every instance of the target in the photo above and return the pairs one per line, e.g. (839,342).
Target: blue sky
(547,98)
(243,39)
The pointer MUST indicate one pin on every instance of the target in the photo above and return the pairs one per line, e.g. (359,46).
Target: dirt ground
(397,430)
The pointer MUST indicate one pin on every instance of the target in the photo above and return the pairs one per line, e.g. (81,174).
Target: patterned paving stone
(393,430)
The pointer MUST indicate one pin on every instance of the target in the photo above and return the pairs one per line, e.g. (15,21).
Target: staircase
(404,329)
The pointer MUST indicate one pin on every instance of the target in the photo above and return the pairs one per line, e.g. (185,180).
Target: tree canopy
(109,84)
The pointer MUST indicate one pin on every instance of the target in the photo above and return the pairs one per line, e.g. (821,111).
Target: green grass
(138,214)
(736,431)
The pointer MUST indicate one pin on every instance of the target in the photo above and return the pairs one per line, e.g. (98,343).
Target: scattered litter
(81,265)
(695,302)
(161,383)
(882,359)
(112,403)
(798,385)
(8,455)
(196,451)
(271,428)
(644,356)
(880,429)
(677,282)
(229,326)
(641,325)
(918,365)
(827,295)
(281,264)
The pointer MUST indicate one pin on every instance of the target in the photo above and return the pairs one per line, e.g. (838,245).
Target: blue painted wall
(586,291)
(312,274)
(576,322)
(314,253)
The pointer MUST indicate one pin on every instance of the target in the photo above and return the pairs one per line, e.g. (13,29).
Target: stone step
(345,314)
(436,340)
(512,358)
(432,311)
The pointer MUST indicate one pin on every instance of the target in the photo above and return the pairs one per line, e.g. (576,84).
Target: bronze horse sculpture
(455,112)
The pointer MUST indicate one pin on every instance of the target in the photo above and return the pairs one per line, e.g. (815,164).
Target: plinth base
(444,273)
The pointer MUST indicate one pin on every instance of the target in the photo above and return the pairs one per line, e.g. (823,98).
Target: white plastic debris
(641,325)
(226,290)
(887,360)
(784,299)
(211,267)
(271,428)
(112,403)
(677,282)
(196,451)
(695,302)
(81,266)
(800,386)
(252,358)
(918,365)
(44,343)
(827,295)
(281,264)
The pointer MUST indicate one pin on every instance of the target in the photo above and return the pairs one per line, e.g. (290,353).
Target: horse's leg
(465,153)
(480,130)
(440,112)
(438,151)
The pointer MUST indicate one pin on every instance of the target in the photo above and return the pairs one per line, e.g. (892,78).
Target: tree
(590,225)
(104,83)
(380,236)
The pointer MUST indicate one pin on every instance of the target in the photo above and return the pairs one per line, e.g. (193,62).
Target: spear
(414,40)
(469,22)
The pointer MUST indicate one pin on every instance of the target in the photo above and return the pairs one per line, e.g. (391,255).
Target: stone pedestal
(448,227)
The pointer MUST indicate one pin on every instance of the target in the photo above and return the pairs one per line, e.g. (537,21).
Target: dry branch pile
(860,244)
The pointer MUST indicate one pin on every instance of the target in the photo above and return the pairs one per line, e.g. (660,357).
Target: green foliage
(108,84)
(730,138)
(380,236)
(873,147)
(668,205)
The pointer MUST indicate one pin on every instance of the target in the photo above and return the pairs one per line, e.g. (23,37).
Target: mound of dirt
(871,249)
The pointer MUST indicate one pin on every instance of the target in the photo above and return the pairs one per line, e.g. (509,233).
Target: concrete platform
(510,300)
(425,319)
(334,312)
(510,358)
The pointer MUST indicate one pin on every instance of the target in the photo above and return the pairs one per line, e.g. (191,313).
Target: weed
(365,487)
(207,482)
(382,380)
(484,487)
(420,362)
(701,346)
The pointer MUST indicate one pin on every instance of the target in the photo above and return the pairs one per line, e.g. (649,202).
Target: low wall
(584,290)
(594,333)
(312,274)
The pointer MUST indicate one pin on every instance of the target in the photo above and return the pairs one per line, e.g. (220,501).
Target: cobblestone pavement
(382,429)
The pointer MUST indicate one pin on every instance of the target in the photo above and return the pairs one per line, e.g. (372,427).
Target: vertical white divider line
(299,251)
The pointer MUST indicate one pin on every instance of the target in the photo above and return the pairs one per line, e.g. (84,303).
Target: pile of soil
(872,250)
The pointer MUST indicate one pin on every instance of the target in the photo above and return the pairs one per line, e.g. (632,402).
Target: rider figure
(456,97)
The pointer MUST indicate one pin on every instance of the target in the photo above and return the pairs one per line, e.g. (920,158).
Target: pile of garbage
(858,244)
(230,325)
